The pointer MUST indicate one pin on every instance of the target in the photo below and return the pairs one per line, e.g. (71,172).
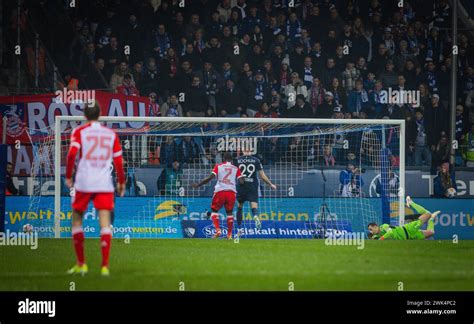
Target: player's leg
(105,239)
(104,203)
(430,231)
(414,228)
(80,201)
(229,208)
(216,205)
(418,208)
(240,207)
(254,207)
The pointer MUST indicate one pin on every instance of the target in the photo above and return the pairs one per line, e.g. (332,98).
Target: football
(27,228)
(450,192)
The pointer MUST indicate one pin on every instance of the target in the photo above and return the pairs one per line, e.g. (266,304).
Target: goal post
(311,137)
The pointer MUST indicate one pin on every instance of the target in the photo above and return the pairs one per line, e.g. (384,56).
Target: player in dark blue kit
(251,167)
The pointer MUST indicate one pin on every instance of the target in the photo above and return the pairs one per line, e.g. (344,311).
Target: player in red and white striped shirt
(225,191)
(98,146)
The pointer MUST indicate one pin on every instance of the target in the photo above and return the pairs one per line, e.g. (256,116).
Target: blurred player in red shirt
(224,192)
(98,146)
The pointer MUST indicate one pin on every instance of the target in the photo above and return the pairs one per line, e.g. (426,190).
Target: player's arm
(74,147)
(265,179)
(387,236)
(205,180)
(240,177)
(118,163)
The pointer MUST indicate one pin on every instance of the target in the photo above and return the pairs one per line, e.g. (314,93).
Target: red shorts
(102,200)
(223,198)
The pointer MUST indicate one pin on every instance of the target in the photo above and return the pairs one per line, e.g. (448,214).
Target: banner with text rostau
(28,116)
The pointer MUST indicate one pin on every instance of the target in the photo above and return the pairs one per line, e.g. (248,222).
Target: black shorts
(247,195)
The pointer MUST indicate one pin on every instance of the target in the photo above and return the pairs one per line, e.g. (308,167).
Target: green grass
(205,264)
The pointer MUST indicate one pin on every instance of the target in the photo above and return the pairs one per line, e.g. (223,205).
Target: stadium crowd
(280,58)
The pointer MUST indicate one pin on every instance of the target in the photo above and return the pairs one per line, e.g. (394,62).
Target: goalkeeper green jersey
(410,231)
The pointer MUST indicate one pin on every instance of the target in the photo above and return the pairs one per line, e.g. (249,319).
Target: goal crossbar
(203,120)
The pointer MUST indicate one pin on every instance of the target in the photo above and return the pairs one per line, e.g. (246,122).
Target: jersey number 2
(228,172)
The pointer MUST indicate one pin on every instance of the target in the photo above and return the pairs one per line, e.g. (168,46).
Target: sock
(215,220)
(105,242)
(254,212)
(419,209)
(230,224)
(78,241)
(431,225)
(239,217)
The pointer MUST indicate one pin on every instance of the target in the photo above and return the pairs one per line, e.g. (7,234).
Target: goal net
(332,176)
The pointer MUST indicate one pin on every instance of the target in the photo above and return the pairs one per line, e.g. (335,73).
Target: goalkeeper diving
(410,231)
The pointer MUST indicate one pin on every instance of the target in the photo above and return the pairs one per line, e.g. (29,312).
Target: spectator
(468,148)
(377,106)
(96,78)
(339,93)
(441,152)
(265,112)
(258,92)
(328,158)
(196,101)
(444,184)
(212,82)
(150,77)
(189,151)
(307,72)
(430,76)
(349,76)
(112,55)
(462,125)
(184,77)
(351,158)
(168,72)
(358,99)
(327,108)
(213,52)
(329,73)
(392,186)
(301,109)
(423,132)
(437,116)
(293,89)
(470,106)
(389,78)
(316,95)
(137,73)
(127,87)
(117,78)
(168,152)
(284,77)
(192,56)
(379,61)
(170,180)
(10,187)
(153,106)
(230,101)
(172,108)
(350,181)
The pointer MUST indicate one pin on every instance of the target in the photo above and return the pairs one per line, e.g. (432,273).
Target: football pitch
(252,265)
